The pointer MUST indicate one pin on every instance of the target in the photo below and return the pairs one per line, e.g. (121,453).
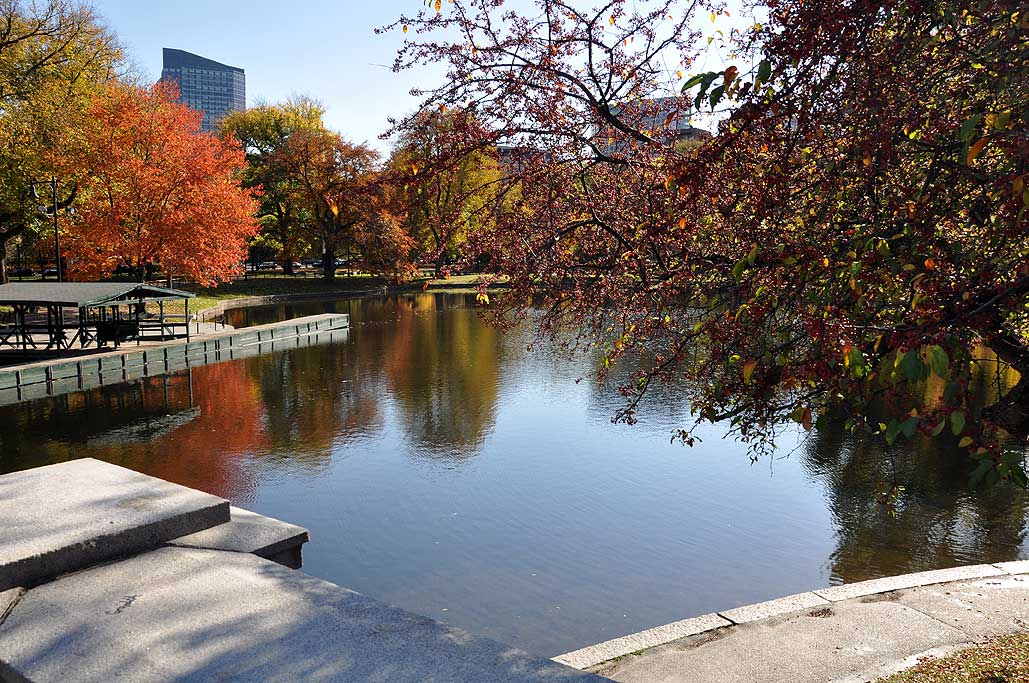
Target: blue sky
(322,48)
(314,47)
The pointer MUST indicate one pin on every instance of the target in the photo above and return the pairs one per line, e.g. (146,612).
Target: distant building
(666,119)
(206,85)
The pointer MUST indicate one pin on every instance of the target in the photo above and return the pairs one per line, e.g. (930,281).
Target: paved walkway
(847,634)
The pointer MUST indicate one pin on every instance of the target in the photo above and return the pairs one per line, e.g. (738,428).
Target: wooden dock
(53,377)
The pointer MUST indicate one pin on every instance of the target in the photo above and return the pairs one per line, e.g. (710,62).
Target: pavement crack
(941,621)
(19,594)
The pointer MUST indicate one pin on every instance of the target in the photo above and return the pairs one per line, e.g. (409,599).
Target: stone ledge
(892,583)
(65,517)
(659,635)
(773,608)
(604,652)
(249,532)
(187,615)
(1017,567)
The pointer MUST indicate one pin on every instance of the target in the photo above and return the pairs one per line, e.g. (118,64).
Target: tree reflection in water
(423,376)
(940,521)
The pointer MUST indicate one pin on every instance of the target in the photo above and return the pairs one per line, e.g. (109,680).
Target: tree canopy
(54,56)
(155,190)
(446,183)
(265,132)
(846,245)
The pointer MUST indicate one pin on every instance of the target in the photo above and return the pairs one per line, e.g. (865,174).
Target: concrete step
(65,517)
(190,615)
(249,532)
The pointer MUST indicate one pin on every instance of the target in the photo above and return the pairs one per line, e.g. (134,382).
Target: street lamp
(51,211)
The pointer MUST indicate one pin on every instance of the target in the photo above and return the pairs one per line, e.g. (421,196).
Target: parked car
(50,272)
(23,272)
(268,265)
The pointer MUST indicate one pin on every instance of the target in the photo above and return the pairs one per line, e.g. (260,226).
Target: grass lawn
(270,284)
(1004,660)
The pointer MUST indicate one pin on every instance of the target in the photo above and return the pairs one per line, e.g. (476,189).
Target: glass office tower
(206,85)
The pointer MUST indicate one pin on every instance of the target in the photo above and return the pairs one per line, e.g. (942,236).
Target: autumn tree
(54,56)
(851,238)
(265,131)
(447,182)
(157,191)
(342,187)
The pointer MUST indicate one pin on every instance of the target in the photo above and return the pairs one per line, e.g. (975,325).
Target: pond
(442,467)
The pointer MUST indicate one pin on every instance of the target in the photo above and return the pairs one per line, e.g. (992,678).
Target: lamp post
(51,211)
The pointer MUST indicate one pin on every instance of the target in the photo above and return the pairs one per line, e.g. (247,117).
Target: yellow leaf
(714,16)
(975,149)
(405,28)
(965,442)
(748,371)
(612,20)
(439,4)
(678,74)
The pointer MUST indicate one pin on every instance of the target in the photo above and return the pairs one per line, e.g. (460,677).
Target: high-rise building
(206,85)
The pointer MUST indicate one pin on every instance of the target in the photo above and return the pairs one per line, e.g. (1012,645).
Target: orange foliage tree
(155,191)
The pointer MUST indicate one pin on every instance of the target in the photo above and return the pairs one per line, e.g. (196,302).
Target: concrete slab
(659,635)
(196,616)
(64,517)
(249,532)
(773,608)
(848,591)
(984,608)
(1016,567)
(843,642)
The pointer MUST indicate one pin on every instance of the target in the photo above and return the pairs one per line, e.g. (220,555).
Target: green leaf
(913,367)
(957,422)
(980,471)
(908,426)
(764,70)
(950,391)
(968,128)
(716,95)
(965,442)
(738,269)
(939,362)
(752,256)
(692,81)
(890,434)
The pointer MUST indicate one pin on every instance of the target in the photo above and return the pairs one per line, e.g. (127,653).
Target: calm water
(443,468)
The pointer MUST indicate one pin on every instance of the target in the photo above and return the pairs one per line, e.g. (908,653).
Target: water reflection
(938,522)
(443,468)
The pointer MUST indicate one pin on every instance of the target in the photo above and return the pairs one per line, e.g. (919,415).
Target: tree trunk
(329,264)
(438,268)
(3,264)
(1013,410)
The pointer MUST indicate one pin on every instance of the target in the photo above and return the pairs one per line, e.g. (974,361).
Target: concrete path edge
(606,651)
